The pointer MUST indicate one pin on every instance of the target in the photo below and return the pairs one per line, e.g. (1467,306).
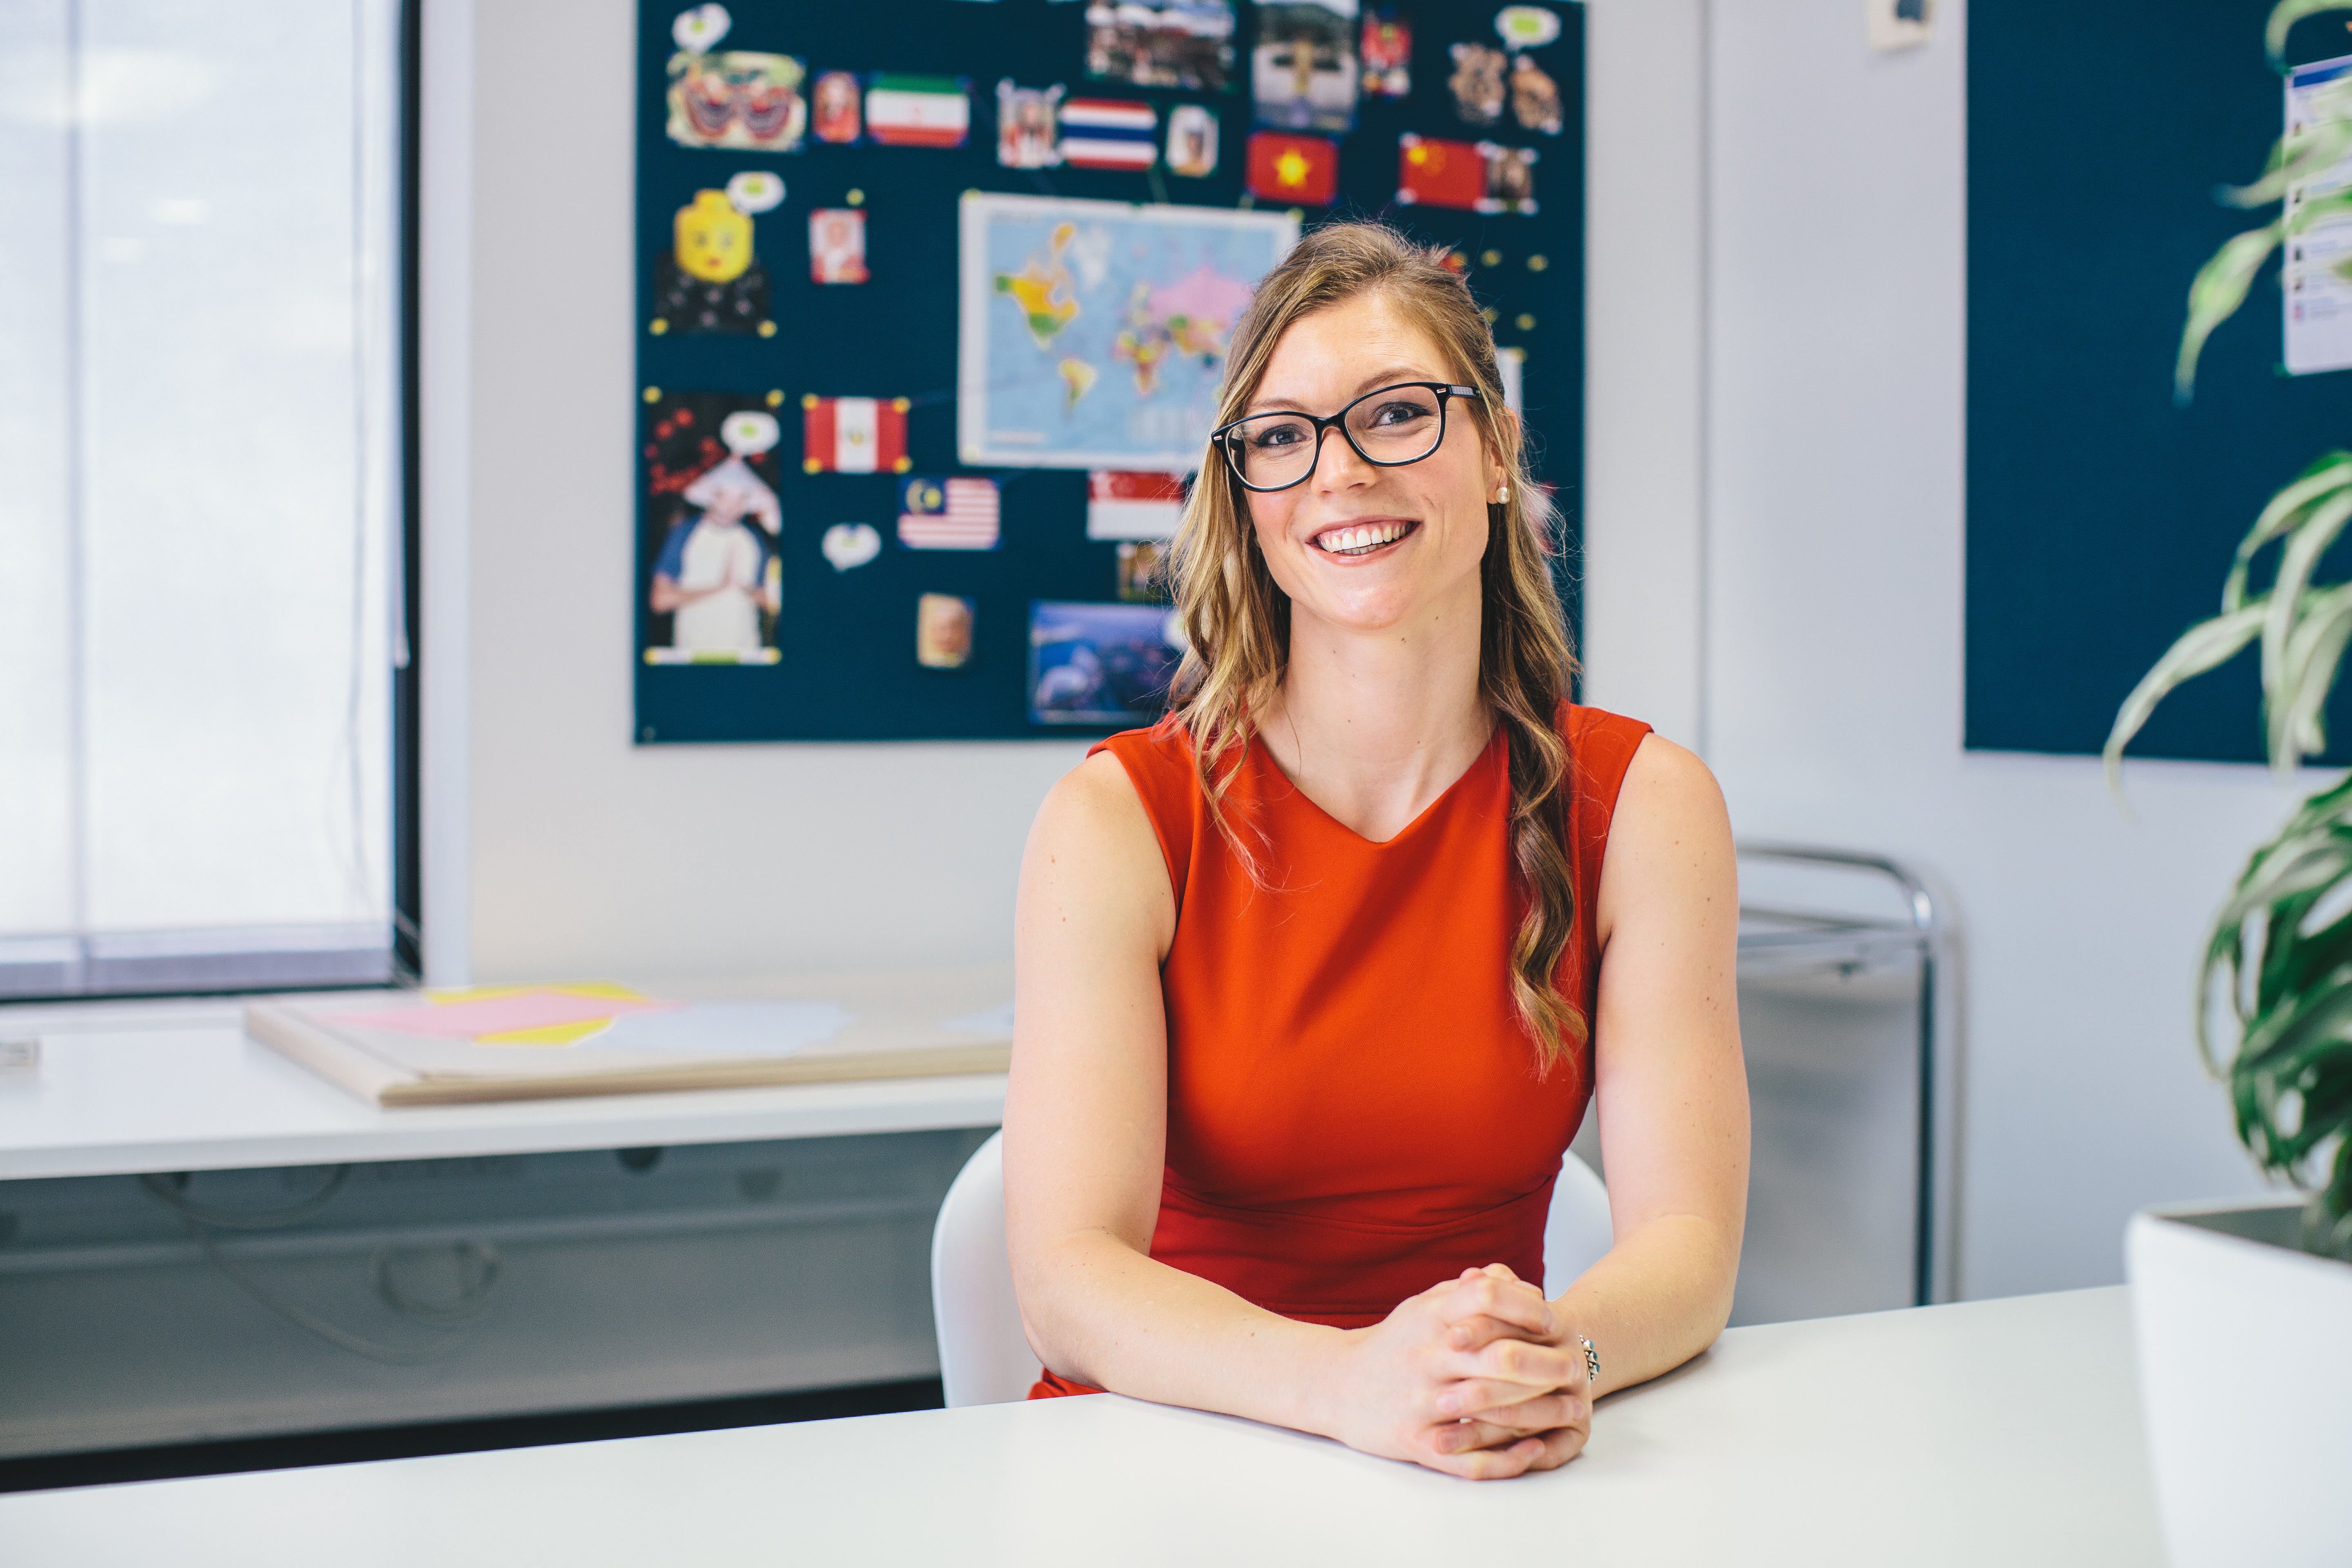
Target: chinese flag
(1440,173)
(1302,168)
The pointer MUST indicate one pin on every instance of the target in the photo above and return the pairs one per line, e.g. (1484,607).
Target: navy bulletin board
(2101,519)
(847,667)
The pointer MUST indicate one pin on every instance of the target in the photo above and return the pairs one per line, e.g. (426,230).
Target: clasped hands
(1479,1377)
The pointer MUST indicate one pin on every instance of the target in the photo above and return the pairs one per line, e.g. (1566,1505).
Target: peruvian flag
(917,111)
(1285,168)
(1109,133)
(1440,173)
(853,434)
(1127,505)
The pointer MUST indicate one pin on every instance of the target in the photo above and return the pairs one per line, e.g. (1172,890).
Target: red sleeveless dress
(1353,1109)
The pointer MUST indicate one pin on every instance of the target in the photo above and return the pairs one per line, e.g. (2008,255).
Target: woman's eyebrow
(1372,382)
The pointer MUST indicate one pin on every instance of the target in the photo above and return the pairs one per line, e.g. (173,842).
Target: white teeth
(1366,536)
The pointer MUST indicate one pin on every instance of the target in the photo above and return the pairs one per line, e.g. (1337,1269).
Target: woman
(1316,977)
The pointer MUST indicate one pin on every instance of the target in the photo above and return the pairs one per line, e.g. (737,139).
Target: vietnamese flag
(1440,173)
(1285,168)
(853,434)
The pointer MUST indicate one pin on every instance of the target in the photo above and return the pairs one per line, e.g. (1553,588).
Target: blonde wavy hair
(1238,620)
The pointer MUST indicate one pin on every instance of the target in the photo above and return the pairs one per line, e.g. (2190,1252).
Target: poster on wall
(1093,334)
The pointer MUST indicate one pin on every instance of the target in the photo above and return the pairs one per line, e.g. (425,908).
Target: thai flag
(1129,505)
(1109,133)
(853,434)
(948,514)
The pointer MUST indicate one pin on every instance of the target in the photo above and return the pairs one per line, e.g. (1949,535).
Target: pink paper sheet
(495,1015)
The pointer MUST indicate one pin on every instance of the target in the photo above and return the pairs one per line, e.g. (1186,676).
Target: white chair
(984,1356)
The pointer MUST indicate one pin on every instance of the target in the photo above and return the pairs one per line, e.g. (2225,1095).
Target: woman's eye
(1279,436)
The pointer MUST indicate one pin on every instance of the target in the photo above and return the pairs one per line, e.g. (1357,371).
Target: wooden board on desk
(898,1025)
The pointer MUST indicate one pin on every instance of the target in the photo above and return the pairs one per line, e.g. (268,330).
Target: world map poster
(1093,334)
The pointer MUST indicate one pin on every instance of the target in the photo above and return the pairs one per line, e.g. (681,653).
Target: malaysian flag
(948,514)
(1109,133)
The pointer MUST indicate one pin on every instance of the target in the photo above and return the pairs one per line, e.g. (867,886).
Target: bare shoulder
(1669,841)
(1093,851)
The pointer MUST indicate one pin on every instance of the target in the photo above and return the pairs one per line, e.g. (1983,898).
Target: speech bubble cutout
(756,191)
(1527,26)
(851,544)
(696,30)
(748,432)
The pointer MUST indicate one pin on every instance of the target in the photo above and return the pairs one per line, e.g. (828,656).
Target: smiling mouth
(1360,539)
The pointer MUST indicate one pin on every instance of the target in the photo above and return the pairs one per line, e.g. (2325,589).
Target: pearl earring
(1502,494)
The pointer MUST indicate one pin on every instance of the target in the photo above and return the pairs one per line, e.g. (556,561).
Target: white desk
(177,1087)
(1998,1432)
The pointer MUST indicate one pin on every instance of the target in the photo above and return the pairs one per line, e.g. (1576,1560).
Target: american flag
(949,514)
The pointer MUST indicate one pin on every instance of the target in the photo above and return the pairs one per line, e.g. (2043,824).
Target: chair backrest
(984,1355)
(1578,1233)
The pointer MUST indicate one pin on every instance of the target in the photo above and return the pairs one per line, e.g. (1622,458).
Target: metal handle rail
(1930,927)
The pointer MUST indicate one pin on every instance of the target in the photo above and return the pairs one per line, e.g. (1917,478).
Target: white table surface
(1998,1432)
(159,1087)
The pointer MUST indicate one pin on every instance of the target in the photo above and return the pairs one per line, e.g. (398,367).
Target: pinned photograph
(1027,135)
(853,434)
(838,245)
(1302,171)
(1387,54)
(1303,73)
(1101,664)
(943,628)
(711,279)
(1510,179)
(835,114)
(948,514)
(1535,98)
(1141,576)
(1109,133)
(746,103)
(1476,84)
(1187,45)
(714,585)
(1191,140)
(1128,504)
(917,111)
(849,545)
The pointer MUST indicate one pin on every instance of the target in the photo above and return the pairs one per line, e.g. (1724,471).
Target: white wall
(1835,442)
(591,856)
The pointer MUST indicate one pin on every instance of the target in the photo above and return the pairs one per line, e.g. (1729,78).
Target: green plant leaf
(2309,662)
(2293,159)
(2320,526)
(2285,511)
(2284,16)
(2214,296)
(2199,648)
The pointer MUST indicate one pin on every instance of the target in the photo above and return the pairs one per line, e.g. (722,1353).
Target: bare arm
(1084,1140)
(1672,1091)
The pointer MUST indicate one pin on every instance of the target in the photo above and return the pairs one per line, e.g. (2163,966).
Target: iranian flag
(853,434)
(917,111)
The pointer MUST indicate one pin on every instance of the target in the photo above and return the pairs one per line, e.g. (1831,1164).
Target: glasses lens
(1271,449)
(1399,424)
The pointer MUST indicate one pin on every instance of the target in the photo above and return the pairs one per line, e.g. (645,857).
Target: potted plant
(2243,1312)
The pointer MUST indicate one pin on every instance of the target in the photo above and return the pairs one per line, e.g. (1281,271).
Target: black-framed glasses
(1389,428)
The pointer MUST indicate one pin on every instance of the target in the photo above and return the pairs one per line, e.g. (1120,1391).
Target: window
(200,538)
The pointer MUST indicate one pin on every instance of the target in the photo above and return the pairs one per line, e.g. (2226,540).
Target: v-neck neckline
(1264,755)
